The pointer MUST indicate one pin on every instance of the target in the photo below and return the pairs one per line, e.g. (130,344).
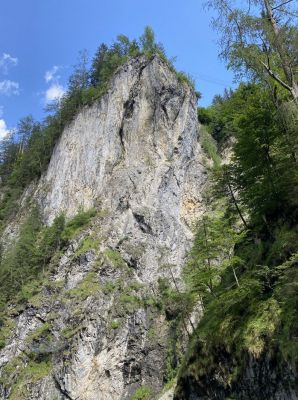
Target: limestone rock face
(136,153)
(133,150)
(135,156)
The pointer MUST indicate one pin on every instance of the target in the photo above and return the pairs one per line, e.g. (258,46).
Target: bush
(115,324)
(143,393)
(77,223)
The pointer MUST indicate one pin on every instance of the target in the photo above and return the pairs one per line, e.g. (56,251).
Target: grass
(87,287)
(69,332)
(18,374)
(185,78)
(209,146)
(41,331)
(142,393)
(115,258)
(110,287)
(8,325)
(77,223)
(31,374)
(86,245)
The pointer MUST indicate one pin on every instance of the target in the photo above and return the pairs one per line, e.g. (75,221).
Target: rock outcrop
(134,155)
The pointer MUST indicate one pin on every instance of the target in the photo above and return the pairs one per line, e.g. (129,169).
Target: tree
(212,253)
(24,131)
(147,41)
(260,177)
(8,155)
(260,38)
(262,170)
(79,79)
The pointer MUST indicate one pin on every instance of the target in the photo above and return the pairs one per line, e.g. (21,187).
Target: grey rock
(134,153)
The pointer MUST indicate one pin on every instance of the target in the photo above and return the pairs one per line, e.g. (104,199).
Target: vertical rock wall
(135,155)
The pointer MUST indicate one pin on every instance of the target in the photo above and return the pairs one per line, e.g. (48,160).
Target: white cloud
(4,131)
(8,87)
(54,92)
(51,75)
(6,62)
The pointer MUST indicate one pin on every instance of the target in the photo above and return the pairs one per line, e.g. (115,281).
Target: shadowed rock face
(136,153)
(267,377)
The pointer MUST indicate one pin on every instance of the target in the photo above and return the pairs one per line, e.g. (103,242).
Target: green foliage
(115,324)
(88,243)
(209,146)
(186,78)
(262,171)
(6,326)
(21,263)
(44,329)
(20,372)
(28,257)
(77,223)
(252,317)
(115,258)
(205,115)
(131,302)
(110,287)
(212,253)
(9,204)
(34,372)
(69,332)
(87,287)
(260,42)
(246,280)
(142,393)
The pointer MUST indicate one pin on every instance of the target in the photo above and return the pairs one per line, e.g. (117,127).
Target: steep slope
(95,329)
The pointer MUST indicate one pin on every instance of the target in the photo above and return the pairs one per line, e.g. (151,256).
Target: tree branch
(276,78)
(282,4)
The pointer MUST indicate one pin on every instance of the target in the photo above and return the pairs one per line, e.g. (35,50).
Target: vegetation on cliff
(243,265)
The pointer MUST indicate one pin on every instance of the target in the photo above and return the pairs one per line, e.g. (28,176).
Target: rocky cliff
(134,156)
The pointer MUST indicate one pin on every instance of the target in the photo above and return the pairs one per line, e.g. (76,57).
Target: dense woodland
(243,265)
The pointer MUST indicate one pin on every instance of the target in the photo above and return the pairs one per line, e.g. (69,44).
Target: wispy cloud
(7,62)
(4,131)
(54,92)
(9,88)
(51,75)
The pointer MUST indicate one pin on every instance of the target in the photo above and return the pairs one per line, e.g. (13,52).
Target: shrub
(115,324)
(115,258)
(143,393)
(77,223)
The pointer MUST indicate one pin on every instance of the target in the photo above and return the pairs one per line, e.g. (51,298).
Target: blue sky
(40,41)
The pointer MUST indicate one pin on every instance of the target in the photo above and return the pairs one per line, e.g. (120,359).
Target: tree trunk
(235,201)
(279,45)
